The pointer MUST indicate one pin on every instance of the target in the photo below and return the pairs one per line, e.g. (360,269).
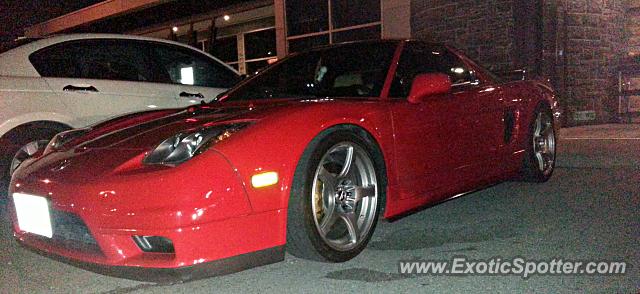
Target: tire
(540,157)
(326,197)
(16,144)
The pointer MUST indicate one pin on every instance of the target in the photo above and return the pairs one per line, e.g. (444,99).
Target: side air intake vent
(154,244)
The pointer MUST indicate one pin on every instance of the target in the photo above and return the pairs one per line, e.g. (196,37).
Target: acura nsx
(304,157)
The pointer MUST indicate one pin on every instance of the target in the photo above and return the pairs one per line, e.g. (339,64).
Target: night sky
(15,15)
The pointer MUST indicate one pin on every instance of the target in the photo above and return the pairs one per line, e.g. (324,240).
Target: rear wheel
(22,146)
(336,199)
(540,158)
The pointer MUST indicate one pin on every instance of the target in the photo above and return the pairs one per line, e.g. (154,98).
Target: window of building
(348,13)
(245,41)
(226,49)
(319,22)
(260,44)
(247,52)
(304,17)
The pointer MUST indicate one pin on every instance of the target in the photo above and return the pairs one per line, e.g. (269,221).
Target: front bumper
(209,222)
(172,275)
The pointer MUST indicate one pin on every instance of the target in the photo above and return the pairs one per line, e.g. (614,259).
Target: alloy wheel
(544,143)
(344,200)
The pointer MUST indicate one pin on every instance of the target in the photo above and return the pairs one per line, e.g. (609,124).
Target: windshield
(350,70)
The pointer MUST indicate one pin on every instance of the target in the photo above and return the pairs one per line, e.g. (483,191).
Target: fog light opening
(264,179)
(154,244)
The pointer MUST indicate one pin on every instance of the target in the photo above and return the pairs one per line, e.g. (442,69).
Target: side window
(416,59)
(191,68)
(60,61)
(94,59)
(419,58)
(453,66)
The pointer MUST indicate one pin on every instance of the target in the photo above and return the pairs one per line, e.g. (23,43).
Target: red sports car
(305,156)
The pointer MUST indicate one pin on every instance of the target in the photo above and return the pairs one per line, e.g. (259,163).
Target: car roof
(54,39)
(15,60)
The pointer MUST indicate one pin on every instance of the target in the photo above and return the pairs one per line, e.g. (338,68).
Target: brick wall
(579,47)
(633,27)
(595,43)
(482,29)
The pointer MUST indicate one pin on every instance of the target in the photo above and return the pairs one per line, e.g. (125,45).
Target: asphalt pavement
(589,210)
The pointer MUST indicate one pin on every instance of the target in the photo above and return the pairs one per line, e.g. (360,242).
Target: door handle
(73,88)
(191,95)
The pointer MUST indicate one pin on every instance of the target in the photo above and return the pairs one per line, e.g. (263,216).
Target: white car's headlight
(184,146)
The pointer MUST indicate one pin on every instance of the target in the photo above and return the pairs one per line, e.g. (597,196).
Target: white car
(71,81)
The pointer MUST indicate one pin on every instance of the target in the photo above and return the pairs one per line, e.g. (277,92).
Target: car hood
(147,129)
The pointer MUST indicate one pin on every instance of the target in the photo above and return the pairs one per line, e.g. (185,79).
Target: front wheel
(540,158)
(335,199)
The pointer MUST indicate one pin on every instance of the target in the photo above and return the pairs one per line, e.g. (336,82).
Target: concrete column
(281,28)
(396,19)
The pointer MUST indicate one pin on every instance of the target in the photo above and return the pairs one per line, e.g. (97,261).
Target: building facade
(575,44)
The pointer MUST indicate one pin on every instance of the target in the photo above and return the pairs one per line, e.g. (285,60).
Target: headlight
(63,138)
(184,146)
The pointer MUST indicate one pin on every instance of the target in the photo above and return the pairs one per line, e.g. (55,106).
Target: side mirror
(425,85)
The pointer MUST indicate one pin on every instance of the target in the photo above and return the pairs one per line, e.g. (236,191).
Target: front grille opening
(155,244)
(71,232)
(68,226)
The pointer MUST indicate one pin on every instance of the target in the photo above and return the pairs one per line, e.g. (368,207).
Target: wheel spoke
(328,180)
(361,192)
(538,125)
(329,218)
(351,220)
(540,160)
(346,167)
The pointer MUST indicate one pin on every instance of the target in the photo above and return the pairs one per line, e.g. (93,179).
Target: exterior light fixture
(226,17)
(174,29)
(264,179)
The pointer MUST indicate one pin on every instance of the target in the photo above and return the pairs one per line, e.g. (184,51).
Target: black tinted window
(184,66)
(95,59)
(307,16)
(297,45)
(260,44)
(356,70)
(420,58)
(226,49)
(345,13)
(453,66)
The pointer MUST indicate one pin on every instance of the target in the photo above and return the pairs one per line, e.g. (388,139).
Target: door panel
(190,95)
(101,78)
(421,156)
(435,146)
(111,98)
(493,120)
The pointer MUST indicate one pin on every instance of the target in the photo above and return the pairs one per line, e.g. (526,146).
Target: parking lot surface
(589,210)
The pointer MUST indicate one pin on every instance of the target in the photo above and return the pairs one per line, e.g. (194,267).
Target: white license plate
(33,214)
